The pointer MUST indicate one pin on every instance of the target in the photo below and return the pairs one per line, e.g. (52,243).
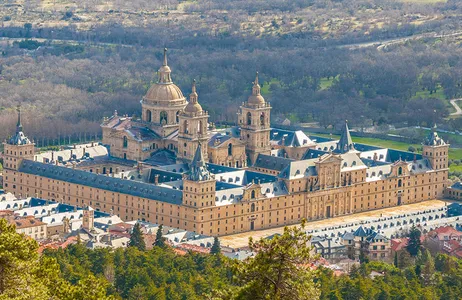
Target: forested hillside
(88,58)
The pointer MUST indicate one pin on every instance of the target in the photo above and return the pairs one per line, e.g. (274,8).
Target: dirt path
(457,107)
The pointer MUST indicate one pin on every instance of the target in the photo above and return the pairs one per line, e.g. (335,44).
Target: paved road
(457,107)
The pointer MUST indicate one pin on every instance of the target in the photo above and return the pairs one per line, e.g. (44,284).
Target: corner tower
(436,150)
(193,128)
(163,103)
(254,121)
(17,148)
(198,183)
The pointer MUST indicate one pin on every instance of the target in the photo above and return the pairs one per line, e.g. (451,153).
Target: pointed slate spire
(345,143)
(18,124)
(198,169)
(433,139)
(19,138)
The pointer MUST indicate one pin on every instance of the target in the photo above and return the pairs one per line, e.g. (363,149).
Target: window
(400,171)
(262,119)
(125,144)
(400,183)
(249,118)
(163,117)
(230,149)
(252,195)
(252,207)
(148,116)
(186,126)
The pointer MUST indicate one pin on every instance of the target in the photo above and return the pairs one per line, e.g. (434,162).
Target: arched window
(262,119)
(148,116)
(186,126)
(199,127)
(178,117)
(400,171)
(252,195)
(249,118)
(125,145)
(400,183)
(230,149)
(252,207)
(163,117)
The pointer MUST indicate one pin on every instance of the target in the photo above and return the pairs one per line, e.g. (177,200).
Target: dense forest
(282,268)
(87,59)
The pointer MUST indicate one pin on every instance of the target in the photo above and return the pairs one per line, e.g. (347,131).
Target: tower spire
(164,71)
(193,96)
(198,169)
(18,124)
(256,90)
(345,144)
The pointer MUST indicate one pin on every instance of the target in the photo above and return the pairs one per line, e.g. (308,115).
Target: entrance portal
(399,200)
(252,225)
(328,215)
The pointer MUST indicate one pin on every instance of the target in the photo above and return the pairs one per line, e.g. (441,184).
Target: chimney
(375,156)
(156,179)
(73,166)
(72,152)
(52,155)
(415,158)
(97,170)
(75,146)
(117,170)
(92,144)
(83,155)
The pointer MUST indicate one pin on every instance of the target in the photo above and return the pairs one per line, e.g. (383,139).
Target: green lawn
(326,83)
(455,168)
(439,94)
(454,153)
(265,88)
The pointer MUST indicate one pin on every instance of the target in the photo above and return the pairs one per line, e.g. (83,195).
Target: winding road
(457,107)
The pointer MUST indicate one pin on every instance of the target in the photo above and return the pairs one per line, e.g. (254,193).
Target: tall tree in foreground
(136,238)
(281,268)
(160,240)
(414,245)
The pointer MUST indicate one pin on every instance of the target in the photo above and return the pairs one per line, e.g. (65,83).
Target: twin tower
(165,106)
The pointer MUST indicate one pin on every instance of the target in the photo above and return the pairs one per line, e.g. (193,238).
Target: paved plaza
(390,220)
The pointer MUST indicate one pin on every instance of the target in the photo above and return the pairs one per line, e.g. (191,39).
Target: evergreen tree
(414,245)
(395,260)
(136,238)
(280,269)
(160,240)
(216,249)
(428,270)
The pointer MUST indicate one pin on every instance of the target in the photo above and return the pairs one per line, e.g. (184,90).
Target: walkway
(240,240)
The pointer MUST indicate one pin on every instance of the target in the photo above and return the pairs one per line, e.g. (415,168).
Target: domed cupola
(164,90)
(256,98)
(193,106)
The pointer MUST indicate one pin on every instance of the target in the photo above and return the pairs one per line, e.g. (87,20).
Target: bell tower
(193,128)
(254,121)
(17,148)
(436,150)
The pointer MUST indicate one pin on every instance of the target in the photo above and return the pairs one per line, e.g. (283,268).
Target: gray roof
(198,170)
(290,138)
(19,138)
(271,162)
(457,186)
(117,185)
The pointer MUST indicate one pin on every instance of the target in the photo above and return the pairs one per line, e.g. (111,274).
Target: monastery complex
(172,167)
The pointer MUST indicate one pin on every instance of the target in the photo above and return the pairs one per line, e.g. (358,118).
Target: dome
(193,108)
(256,99)
(163,92)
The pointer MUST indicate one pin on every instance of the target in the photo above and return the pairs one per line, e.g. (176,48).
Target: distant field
(454,153)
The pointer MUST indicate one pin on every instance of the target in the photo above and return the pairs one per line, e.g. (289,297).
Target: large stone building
(171,167)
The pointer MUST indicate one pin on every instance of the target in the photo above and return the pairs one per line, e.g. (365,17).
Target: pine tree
(280,268)
(136,238)
(395,260)
(216,249)
(414,245)
(160,240)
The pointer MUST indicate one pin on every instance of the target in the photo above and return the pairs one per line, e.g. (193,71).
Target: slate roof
(457,186)
(361,232)
(313,153)
(290,138)
(271,162)
(129,187)
(345,144)
(218,140)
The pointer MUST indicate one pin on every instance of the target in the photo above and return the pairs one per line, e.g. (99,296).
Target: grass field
(424,1)
(326,83)
(454,153)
